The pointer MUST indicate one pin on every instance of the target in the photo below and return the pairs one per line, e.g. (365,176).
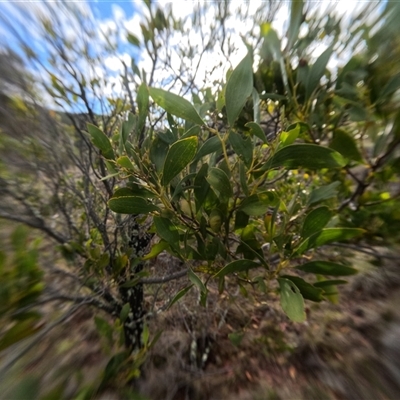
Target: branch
(167,278)
(363,250)
(36,225)
(78,299)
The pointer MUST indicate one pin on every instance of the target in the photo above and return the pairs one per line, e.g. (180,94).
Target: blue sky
(127,16)
(104,9)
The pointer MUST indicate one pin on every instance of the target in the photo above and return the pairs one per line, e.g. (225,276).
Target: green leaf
(175,105)
(327,268)
(104,328)
(323,193)
(292,301)
(256,105)
(127,127)
(181,186)
(155,339)
(391,87)
(328,235)
(101,141)
(254,206)
(179,155)
(158,152)
(211,145)
(345,144)
(243,178)
(256,130)
(237,266)
(315,221)
(296,17)
(196,281)
(201,186)
(132,39)
(142,100)
(242,147)
(125,162)
(156,250)
(238,89)
(307,290)
(179,295)
(19,331)
(145,335)
(193,131)
(272,43)
(131,205)
(167,230)
(287,138)
(317,71)
(133,282)
(309,156)
(135,191)
(220,184)
(124,312)
(272,47)
(241,220)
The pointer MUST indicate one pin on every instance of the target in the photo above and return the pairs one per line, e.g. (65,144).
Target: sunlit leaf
(317,70)
(257,131)
(142,100)
(175,105)
(196,281)
(296,17)
(101,141)
(179,155)
(238,89)
(309,156)
(287,138)
(292,301)
(156,249)
(125,162)
(307,290)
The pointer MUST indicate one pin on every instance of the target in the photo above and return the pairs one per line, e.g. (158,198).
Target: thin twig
(363,250)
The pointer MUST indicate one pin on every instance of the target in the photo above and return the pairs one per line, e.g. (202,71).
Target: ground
(241,346)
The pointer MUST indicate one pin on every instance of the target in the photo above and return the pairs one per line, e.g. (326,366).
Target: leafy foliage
(247,183)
